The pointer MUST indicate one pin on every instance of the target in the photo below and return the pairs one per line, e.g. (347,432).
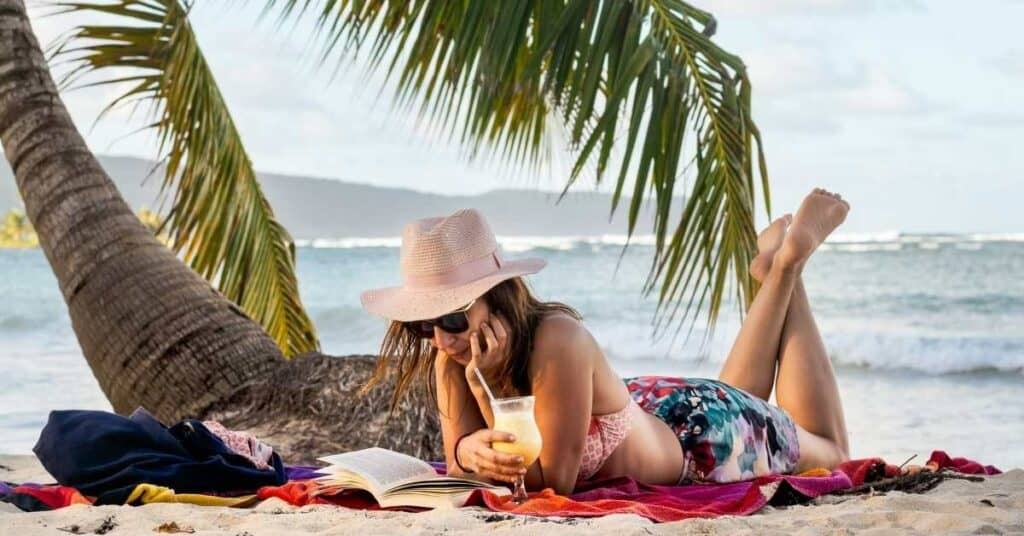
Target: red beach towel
(667,503)
(673,503)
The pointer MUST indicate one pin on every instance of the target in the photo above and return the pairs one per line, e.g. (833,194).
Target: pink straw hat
(446,262)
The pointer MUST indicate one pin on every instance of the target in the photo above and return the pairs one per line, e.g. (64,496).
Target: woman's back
(642,454)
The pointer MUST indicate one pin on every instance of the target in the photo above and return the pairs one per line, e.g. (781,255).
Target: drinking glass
(515,416)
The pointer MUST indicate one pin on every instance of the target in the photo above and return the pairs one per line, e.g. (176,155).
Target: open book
(396,479)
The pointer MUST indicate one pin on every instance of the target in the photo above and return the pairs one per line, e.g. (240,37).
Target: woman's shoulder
(563,336)
(557,327)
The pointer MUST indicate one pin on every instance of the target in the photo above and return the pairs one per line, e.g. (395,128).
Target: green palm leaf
(642,73)
(219,220)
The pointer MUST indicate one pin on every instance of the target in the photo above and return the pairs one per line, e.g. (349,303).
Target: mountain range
(328,208)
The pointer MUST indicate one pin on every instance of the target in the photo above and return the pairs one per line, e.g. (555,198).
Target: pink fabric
(624,495)
(605,435)
(868,470)
(941,460)
(466,272)
(244,444)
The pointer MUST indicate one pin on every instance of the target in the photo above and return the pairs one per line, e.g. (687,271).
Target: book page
(382,468)
(443,483)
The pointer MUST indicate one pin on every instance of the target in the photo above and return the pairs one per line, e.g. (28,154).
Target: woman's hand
(492,354)
(474,452)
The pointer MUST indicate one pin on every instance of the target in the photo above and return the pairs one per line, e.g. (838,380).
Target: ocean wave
(848,242)
(929,240)
(350,243)
(873,347)
(997,237)
(927,353)
(514,244)
(881,236)
(510,244)
(858,247)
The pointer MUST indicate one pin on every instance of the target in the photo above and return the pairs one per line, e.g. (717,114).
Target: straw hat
(446,262)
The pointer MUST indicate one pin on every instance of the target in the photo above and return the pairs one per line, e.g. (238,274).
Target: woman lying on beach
(462,307)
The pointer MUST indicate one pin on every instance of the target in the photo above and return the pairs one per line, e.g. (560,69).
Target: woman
(462,307)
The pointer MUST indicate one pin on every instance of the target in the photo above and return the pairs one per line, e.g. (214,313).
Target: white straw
(484,383)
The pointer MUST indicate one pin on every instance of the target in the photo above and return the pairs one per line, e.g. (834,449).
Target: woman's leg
(750,364)
(755,372)
(806,386)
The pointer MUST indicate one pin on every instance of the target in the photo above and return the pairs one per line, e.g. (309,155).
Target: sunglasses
(454,322)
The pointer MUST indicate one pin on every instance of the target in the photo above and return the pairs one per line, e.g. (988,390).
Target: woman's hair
(411,355)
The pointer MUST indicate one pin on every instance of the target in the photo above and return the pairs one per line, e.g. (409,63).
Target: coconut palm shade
(642,76)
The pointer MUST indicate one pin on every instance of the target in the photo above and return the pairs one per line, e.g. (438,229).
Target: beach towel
(38,498)
(624,495)
(149,493)
(940,460)
(595,498)
(672,503)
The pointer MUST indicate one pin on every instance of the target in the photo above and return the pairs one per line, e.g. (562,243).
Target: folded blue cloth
(106,455)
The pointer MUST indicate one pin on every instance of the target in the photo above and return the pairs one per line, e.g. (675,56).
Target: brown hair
(412,356)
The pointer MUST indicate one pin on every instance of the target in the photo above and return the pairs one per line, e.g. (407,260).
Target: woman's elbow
(564,487)
(562,481)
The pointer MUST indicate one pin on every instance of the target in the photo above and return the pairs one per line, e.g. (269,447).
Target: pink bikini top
(605,435)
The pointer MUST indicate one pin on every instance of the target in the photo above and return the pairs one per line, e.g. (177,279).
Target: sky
(911,109)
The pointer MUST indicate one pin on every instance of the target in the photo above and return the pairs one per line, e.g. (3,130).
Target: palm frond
(219,220)
(642,73)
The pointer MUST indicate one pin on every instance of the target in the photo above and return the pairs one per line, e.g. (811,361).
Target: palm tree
(644,73)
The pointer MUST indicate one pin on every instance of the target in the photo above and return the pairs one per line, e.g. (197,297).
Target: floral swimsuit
(726,434)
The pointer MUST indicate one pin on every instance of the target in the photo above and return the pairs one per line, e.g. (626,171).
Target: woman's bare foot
(768,242)
(819,214)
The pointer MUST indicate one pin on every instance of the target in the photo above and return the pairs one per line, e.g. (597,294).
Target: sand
(995,506)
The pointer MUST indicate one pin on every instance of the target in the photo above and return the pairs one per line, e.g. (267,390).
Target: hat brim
(405,305)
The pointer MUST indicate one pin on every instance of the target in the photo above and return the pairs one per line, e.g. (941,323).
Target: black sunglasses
(454,322)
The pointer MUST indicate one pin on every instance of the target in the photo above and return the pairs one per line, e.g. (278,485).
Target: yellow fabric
(817,471)
(151,493)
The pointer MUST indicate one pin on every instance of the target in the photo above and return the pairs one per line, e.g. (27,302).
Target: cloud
(800,121)
(802,87)
(881,93)
(807,7)
(1010,62)
(994,119)
(790,68)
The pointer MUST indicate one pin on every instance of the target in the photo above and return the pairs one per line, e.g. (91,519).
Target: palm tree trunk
(153,331)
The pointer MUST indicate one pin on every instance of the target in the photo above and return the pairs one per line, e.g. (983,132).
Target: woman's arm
(459,416)
(562,375)
(457,408)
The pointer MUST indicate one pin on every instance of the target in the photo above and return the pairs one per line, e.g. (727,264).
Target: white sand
(954,507)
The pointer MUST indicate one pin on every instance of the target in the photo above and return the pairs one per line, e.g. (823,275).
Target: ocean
(926,332)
